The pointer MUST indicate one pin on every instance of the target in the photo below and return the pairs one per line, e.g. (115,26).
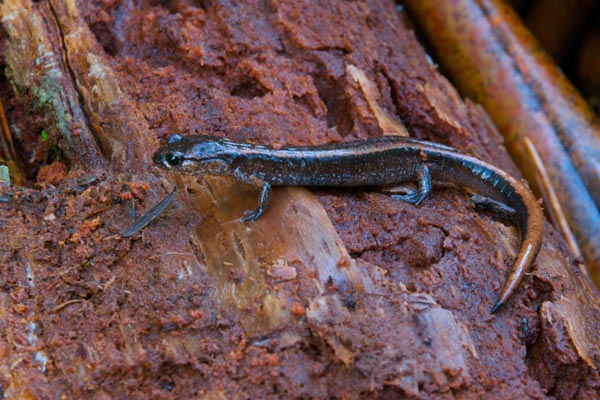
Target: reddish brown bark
(493,59)
(333,293)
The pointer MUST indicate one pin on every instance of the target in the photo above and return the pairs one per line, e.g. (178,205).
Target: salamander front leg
(263,200)
(424,187)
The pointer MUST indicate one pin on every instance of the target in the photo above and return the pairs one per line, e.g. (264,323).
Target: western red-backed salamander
(381,162)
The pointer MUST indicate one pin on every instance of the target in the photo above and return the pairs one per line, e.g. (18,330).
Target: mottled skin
(378,162)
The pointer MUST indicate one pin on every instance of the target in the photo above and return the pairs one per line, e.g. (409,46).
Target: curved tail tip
(496,307)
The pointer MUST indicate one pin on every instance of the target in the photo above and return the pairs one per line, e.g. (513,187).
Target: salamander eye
(174,159)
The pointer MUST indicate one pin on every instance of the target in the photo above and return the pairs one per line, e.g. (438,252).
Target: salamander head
(203,155)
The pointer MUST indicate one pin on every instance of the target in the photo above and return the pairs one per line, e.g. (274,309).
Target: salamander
(377,162)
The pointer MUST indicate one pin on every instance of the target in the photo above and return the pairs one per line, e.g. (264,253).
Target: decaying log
(331,293)
(497,62)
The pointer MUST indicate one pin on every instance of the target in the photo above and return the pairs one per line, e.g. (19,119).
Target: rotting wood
(495,61)
(330,293)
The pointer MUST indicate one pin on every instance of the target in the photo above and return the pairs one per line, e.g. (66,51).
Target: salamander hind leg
(501,210)
(418,195)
